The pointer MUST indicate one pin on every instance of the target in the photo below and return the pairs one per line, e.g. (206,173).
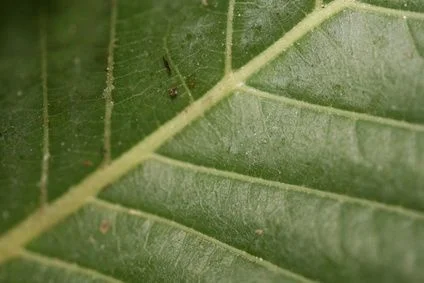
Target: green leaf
(213,141)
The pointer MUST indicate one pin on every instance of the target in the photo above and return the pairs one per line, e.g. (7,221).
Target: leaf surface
(213,141)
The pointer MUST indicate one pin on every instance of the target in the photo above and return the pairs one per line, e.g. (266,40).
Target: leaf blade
(400,141)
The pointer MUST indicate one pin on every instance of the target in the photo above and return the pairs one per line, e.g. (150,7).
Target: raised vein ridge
(175,67)
(107,93)
(229,38)
(48,261)
(323,194)
(155,218)
(332,110)
(11,243)
(387,11)
(46,150)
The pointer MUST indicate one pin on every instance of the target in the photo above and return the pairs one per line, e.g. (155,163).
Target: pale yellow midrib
(319,4)
(12,241)
(72,267)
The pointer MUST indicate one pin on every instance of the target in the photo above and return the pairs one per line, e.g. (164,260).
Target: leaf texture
(212,141)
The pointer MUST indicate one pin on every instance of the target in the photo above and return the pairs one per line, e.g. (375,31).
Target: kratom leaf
(212,141)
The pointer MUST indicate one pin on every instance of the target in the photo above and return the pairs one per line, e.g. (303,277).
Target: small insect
(166,65)
(173,92)
(259,232)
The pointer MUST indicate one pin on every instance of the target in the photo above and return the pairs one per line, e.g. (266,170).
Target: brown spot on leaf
(88,163)
(104,226)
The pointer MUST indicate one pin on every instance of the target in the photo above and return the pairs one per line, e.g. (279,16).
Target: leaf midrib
(12,242)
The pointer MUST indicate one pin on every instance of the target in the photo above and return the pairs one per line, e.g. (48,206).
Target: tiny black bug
(173,92)
(166,65)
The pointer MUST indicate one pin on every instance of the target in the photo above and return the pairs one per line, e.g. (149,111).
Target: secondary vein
(12,241)
(406,212)
(76,197)
(387,11)
(107,94)
(45,260)
(46,154)
(175,67)
(334,111)
(229,38)
(142,214)
(310,22)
